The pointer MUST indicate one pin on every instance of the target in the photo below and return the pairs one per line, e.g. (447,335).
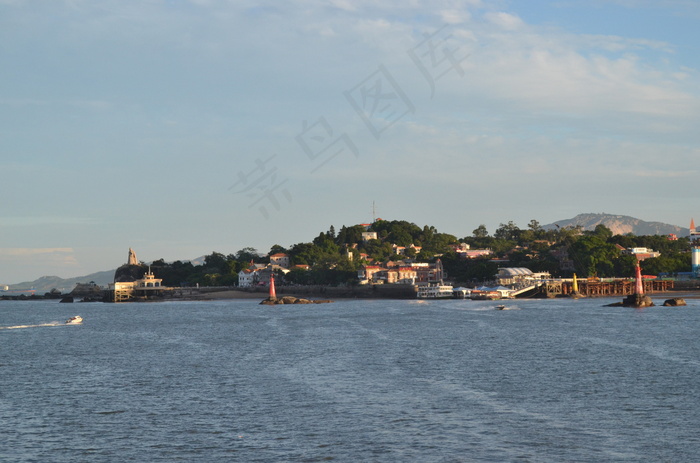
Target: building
(402,272)
(693,233)
(246,278)
(640,253)
(144,288)
(473,253)
(519,275)
(369,235)
(258,274)
(401,250)
(280,259)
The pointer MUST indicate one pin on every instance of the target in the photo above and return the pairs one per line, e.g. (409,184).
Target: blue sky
(182,127)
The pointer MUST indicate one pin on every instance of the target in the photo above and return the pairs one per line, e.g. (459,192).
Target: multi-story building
(280,259)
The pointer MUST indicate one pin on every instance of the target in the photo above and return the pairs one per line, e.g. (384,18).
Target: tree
(350,235)
(593,256)
(247,254)
(215,260)
(534,225)
(480,232)
(603,231)
(277,249)
(509,232)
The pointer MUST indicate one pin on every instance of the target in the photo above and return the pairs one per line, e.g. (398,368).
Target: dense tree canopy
(334,257)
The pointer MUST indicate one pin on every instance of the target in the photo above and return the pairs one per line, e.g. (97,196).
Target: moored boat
(461,293)
(435,292)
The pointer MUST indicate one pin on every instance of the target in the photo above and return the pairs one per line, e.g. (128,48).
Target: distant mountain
(65,285)
(619,225)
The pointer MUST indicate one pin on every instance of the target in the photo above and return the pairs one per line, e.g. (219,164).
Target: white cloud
(536,106)
(346,5)
(507,21)
(583,75)
(454,16)
(28,252)
(44,220)
(665,174)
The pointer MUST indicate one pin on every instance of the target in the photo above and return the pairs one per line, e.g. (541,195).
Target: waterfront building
(520,275)
(258,274)
(402,272)
(146,287)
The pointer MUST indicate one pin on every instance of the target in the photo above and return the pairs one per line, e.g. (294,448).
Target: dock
(600,288)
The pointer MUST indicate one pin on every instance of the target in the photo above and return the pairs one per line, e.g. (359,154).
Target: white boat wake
(71,321)
(17,327)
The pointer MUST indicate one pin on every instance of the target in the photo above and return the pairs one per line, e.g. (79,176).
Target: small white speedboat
(74,320)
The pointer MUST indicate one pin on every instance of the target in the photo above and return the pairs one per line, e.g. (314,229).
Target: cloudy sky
(182,127)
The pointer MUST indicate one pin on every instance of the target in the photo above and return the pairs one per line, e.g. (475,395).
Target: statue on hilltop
(131,271)
(132,258)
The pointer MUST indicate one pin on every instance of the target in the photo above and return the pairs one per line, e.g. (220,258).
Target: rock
(638,301)
(290,300)
(614,304)
(675,302)
(127,273)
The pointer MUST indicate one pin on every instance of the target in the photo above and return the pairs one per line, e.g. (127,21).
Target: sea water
(352,381)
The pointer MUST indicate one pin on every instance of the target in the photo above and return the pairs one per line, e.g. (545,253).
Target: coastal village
(398,259)
(405,274)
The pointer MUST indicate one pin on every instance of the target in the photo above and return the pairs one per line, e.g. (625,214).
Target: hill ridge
(619,224)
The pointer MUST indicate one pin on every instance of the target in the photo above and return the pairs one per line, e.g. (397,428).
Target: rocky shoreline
(292,300)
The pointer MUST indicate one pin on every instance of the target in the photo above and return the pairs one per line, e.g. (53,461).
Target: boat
(501,307)
(482,295)
(77,320)
(435,292)
(461,293)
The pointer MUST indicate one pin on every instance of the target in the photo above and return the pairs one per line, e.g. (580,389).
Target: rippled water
(370,381)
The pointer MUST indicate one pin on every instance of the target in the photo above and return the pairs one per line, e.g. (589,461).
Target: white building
(369,235)
(280,259)
(246,278)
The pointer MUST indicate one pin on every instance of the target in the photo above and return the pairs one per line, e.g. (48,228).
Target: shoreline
(336,294)
(243,294)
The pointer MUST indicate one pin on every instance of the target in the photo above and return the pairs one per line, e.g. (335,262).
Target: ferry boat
(435,292)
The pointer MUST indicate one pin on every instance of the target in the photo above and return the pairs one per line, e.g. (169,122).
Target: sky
(183,127)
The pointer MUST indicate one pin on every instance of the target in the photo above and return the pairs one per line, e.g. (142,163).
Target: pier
(598,288)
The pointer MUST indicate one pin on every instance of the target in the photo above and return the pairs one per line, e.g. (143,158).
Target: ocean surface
(353,381)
